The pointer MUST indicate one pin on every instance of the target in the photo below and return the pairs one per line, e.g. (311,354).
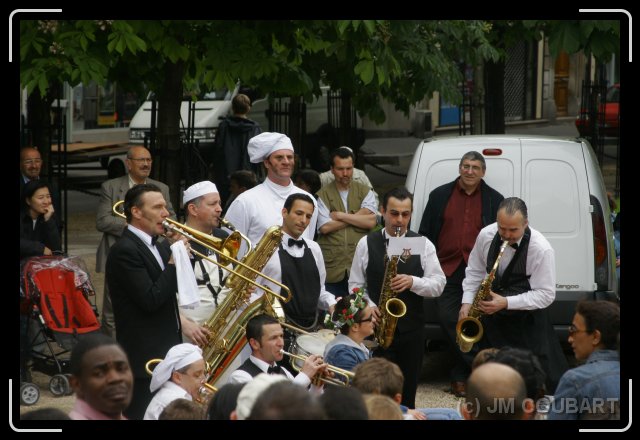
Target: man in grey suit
(113,190)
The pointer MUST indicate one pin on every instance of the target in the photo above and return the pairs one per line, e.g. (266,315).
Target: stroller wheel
(70,392)
(29,394)
(59,385)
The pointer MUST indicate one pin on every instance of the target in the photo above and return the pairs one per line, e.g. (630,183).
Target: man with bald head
(496,392)
(139,167)
(256,210)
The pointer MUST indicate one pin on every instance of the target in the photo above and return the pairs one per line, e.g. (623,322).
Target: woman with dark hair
(39,234)
(356,321)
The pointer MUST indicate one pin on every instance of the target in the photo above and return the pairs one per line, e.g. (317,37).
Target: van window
(558,195)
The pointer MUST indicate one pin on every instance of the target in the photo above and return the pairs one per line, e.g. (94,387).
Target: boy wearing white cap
(259,208)
(178,376)
(203,208)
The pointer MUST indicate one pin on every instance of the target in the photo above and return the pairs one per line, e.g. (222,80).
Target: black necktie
(154,240)
(274,370)
(298,243)
(514,245)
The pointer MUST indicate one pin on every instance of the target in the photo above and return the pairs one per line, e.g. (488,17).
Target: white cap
(261,146)
(252,390)
(178,356)
(198,189)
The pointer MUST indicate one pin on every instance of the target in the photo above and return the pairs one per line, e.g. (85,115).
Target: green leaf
(365,70)
(342,26)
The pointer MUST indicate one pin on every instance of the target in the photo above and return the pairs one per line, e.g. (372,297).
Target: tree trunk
(478,98)
(167,166)
(494,97)
(39,123)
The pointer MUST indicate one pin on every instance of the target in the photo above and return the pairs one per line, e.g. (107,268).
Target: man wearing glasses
(139,167)
(452,219)
(524,286)
(30,169)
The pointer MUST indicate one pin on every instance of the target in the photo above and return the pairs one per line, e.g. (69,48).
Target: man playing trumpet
(266,339)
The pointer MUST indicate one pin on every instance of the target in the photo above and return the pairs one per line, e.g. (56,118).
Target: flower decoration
(346,315)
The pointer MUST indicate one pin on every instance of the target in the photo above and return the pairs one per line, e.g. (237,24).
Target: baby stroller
(57,305)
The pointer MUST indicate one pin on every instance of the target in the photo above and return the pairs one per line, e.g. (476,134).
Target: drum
(313,343)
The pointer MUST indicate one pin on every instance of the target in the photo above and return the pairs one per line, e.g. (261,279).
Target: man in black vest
(299,265)
(452,219)
(524,286)
(266,339)
(418,276)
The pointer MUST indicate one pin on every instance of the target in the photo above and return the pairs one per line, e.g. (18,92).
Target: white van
(210,108)
(561,183)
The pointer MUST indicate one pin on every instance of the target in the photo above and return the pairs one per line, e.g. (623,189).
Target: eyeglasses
(474,168)
(573,330)
(142,160)
(32,161)
(369,319)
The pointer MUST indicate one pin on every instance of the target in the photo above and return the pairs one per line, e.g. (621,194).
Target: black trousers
(448,305)
(406,350)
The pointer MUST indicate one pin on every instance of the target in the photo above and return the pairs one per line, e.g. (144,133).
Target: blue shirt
(590,388)
(343,352)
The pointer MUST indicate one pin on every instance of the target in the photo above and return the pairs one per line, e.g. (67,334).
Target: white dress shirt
(324,215)
(146,238)
(540,266)
(274,270)
(241,376)
(256,210)
(430,285)
(168,392)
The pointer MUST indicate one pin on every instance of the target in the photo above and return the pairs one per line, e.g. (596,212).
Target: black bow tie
(514,245)
(274,370)
(298,243)
(154,240)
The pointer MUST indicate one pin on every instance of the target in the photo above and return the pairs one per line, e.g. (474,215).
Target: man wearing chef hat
(259,208)
(202,206)
(178,376)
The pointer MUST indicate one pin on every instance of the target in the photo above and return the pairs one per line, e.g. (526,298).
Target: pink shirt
(82,411)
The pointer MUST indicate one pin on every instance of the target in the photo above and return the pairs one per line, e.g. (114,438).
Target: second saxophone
(469,330)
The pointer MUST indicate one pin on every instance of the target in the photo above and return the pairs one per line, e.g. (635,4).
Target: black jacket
(431,223)
(231,143)
(33,239)
(144,301)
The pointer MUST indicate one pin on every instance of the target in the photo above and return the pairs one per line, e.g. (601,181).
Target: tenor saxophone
(469,330)
(391,308)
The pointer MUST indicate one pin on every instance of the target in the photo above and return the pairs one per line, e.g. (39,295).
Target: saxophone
(469,330)
(391,308)
(228,321)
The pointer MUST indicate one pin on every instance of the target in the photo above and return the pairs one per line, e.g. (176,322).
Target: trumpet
(348,375)
(226,250)
(205,392)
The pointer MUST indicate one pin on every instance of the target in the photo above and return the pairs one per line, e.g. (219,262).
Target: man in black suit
(142,282)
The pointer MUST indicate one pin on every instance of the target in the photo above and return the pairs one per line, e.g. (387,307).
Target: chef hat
(198,189)
(252,390)
(261,146)
(178,356)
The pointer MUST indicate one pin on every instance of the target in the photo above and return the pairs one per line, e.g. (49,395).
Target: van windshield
(222,94)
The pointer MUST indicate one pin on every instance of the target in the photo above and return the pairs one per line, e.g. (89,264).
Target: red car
(611,110)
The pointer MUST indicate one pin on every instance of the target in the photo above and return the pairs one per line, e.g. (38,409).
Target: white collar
(141,235)
(282,191)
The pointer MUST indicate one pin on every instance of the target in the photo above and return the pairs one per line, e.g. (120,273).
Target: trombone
(205,392)
(348,375)
(229,246)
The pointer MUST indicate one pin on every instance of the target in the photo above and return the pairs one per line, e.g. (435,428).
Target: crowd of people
(339,265)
